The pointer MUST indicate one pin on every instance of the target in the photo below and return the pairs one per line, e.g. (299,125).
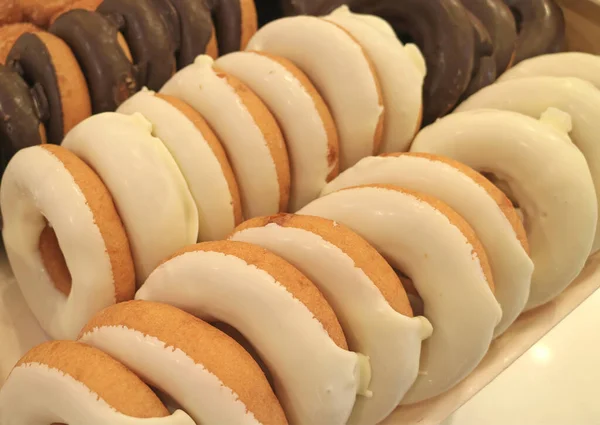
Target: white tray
(19,331)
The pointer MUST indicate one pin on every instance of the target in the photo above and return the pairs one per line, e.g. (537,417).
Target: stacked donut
(78,57)
(467,44)
(386,287)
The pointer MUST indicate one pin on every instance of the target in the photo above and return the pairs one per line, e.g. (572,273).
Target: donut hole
(246,345)
(54,260)
(505,188)
(414,298)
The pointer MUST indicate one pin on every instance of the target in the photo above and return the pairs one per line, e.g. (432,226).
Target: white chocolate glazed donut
(566,64)
(200,158)
(376,22)
(361,287)
(69,382)
(202,369)
(438,250)
(400,79)
(259,160)
(533,96)
(149,190)
(309,131)
(267,300)
(343,74)
(479,202)
(49,186)
(547,175)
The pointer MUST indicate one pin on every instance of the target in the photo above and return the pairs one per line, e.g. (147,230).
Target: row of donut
(467,44)
(52,93)
(440,222)
(97,53)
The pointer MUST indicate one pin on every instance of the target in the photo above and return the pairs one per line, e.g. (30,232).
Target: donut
(484,65)
(401,81)
(20,116)
(306,123)
(10,33)
(431,244)
(280,312)
(247,129)
(324,51)
(533,96)
(487,210)
(567,64)
(10,12)
(440,28)
(202,369)
(68,266)
(149,191)
(540,26)
(70,382)
(47,64)
(107,68)
(365,293)
(147,35)
(558,202)
(500,24)
(200,158)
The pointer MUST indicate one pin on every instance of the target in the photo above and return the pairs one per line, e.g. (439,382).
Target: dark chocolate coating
(110,76)
(30,58)
(169,15)
(484,67)
(540,25)
(19,116)
(500,24)
(443,32)
(148,37)
(227,18)
(195,26)
(268,10)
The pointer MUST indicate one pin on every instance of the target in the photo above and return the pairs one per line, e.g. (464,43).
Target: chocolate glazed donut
(93,39)
(500,24)
(484,66)
(195,29)
(21,113)
(30,58)
(151,43)
(444,33)
(540,25)
(227,17)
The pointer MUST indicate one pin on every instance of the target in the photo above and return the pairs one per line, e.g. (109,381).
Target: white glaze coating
(196,160)
(420,241)
(546,174)
(338,67)
(37,187)
(254,167)
(390,340)
(400,79)
(565,64)
(201,393)
(295,110)
(376,22)
(35,394)
(211,285)
(533,96)
(511,266)
(150,193)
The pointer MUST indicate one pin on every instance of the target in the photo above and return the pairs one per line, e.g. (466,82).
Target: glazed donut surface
(480,203)
(95,269)
(558,202)
(436,248)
